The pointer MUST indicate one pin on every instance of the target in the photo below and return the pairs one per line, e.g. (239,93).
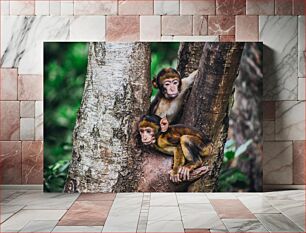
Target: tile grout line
(144,217)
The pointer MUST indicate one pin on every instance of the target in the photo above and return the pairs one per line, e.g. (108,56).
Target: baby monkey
(187,145)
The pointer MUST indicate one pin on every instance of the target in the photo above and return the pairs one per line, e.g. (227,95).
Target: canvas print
(152,117)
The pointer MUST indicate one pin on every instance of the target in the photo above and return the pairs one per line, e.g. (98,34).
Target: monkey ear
(154,82)
(164,124)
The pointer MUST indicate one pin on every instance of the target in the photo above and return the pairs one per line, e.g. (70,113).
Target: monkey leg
(178,161)
(193,150)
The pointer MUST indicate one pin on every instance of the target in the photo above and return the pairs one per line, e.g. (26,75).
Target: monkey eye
(167,84)
(141,130)
(175,82)
(148,131)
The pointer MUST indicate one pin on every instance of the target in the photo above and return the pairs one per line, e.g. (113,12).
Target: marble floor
(34,211)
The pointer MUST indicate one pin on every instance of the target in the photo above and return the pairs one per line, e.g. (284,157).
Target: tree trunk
(246,117)
(117,91)
(207,106)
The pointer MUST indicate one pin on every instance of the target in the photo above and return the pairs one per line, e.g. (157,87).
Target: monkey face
(147,135)
(171,88)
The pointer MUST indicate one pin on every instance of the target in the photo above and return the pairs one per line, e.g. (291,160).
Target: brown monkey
(188,145)
(172,89)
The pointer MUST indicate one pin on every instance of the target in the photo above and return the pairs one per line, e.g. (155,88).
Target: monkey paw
(174,177)
(184,173)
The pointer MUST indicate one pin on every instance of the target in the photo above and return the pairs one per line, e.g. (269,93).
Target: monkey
(187,145)
(171,93)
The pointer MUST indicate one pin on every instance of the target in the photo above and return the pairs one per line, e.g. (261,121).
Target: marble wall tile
(283,7)
(221,25)
(95,7)
(230,7)
(27,129)
(301,89)
(10,163)
(301,46)
(32,162)
(122,28)
(5,7)
(42,7)
(30,87)
(22,7)
(150,28)
(169,213)
(247,28)
(203,7)
(8,84)
(135,7)
(9,210)
(176,25)
(55,7)
(268,130)
(298,162)
(66,7)
(39,120)
(87,28)
(258,205)
(290,120)
(225,38)
(268,108)
(279,34)
(277,163)
(260,7)
(27,108)
(200,25)
(9,120)
(166,7)
(22,40)
(298,7)
(192,198)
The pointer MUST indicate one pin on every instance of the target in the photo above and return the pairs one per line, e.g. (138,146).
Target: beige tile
(75,229)
(122,28)
(27,129)
(163,199)
(301,89)
(167,213)
(42,7)
(238,225)
(135,7)
(260,7)
(39,118)
(55,8)
(200,25)
(150,28)
(203,7)
(66,7)
(247,28)
(39,226)
(268,130)
(8,87)
(9,120)
(87,28)
(290,120)
(166,7)
(277,163)
(30,87)
(165,226)
(95,7)
(27,108)
(22,7)
(176,25)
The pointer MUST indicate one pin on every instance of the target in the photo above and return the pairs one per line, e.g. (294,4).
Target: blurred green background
(65,66)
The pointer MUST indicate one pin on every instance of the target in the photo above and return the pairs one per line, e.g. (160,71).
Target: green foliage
(64,76)
(163,55)
(231,178)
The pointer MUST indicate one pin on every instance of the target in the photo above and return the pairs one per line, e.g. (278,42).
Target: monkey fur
(170,97)
(187,145)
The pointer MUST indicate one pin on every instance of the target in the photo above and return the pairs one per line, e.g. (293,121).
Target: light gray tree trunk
(117,91)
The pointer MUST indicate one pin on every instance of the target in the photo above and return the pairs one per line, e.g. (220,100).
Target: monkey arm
(154,104)
(187,82)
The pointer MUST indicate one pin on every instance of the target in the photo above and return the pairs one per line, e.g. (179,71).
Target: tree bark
(246,114)
(117,91)
(207,106)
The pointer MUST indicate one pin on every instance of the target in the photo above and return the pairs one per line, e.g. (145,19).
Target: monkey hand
(175,177)
(184,173)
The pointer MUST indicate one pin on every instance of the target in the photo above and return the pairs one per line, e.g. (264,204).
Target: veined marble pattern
(22,40)
(279,34)
(301,46)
